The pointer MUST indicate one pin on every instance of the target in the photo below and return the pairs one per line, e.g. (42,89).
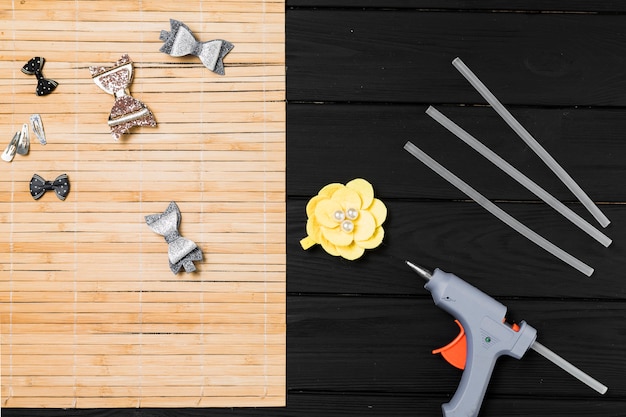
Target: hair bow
(181,252)
(39,186)
(127,111)
(35,67)
(180,42)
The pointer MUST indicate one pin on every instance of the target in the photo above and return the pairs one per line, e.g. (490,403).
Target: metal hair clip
(19,144)
(37,126)
(9,151)
(23,143)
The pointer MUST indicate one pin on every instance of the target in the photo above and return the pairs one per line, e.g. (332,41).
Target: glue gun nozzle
(421,271)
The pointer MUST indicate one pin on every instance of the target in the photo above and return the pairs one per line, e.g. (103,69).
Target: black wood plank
(469,5)
(464,239)
(358,405)
(338,142)
(382,344)
(405,56)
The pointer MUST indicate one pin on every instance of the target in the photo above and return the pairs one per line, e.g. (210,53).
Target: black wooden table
(360,75)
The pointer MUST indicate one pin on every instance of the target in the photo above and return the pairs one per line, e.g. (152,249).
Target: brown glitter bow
(127,111)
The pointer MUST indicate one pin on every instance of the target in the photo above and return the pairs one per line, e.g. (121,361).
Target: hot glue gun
(484,337)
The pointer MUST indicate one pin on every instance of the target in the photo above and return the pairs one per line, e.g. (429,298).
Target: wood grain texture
(586,142)
(361,75)
(404,56)
(91,314)
(543,6)
(355,404)
(500,262)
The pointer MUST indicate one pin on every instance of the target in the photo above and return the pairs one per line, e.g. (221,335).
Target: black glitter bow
(39,186)
(35,67)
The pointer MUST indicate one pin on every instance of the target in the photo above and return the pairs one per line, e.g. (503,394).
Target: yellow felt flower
(345,219)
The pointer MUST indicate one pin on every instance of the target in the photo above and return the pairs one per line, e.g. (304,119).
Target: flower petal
(337,236)
(329,189)
(351,252)
(310,206)
(348,198)
(313,229)
(365,190)
(379,211)
(324,210)
(364,226)
(329,247)
(373,241)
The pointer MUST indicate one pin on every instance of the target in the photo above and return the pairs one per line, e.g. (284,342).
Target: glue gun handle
(471,391)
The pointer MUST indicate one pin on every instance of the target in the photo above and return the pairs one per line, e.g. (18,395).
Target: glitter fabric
(35,67)
(39,186)
(116,79)
(127,111)
(181,252)
(180,42)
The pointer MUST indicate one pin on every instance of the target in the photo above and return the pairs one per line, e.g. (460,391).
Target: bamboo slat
(91,315)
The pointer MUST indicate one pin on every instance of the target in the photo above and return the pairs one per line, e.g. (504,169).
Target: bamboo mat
(91,314)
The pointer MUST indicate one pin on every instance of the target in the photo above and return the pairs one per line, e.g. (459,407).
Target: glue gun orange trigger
(455,352)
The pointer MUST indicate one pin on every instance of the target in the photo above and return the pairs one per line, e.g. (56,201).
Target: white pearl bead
(339,215)
(347,226)
(352,213)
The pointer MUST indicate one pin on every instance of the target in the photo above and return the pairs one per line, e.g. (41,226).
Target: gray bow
(181,252)
(180,42)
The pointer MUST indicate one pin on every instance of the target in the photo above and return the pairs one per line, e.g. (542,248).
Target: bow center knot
(121,92)
(171,237)
(48,185)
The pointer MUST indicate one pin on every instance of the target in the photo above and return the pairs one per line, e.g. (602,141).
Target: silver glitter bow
(181,252)
(180,42)
(127,111)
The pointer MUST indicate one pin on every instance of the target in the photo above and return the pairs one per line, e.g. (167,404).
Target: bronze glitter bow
(127,111)
(35,67)
(180,42)
(181,252)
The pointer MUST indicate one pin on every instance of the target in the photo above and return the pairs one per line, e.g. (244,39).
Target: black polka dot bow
(39,186)
(35,67)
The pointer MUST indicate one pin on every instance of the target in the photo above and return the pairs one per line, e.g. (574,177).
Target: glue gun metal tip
(421,271)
